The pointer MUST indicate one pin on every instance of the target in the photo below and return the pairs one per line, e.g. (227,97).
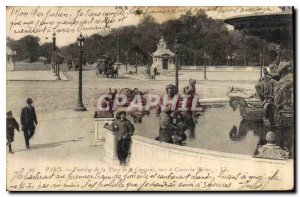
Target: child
(11,125)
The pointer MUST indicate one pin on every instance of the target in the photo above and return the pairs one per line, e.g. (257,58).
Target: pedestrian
(154,72)
(124,129)
(76,62)
(70,64)
(28,121)
(11,125)
(113,92)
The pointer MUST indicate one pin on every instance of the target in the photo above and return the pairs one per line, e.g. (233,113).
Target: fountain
(272,27)
(276,108)
(222,135)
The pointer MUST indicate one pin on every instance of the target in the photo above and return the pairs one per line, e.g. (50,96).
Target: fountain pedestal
(271,150)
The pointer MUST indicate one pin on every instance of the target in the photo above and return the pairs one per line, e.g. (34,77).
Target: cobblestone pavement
(41,75)
(51,96)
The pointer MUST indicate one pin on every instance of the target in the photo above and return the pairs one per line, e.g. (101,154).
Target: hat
(9,113)
(272,70)
(29,101)
(283,65)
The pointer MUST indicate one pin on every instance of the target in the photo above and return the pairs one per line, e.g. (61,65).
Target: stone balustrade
(220,68)
(110,146)
(153,151)
(100,134)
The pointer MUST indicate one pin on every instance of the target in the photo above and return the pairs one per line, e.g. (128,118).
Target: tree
(46,51)
(27,48)
(198,34)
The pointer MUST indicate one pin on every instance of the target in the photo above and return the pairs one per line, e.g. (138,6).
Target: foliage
(27,48)
(198,35)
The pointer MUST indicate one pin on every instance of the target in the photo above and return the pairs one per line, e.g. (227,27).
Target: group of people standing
(28,122)
(170,131)
(173,124)
(70,64)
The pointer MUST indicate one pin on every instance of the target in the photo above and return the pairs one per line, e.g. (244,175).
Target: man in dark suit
(28,121)
(124,130)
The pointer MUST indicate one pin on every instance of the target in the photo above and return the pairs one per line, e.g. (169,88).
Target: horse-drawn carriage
(106,67)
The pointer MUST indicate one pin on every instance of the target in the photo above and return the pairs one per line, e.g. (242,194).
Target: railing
(221,68)
(99,138)
(149,151)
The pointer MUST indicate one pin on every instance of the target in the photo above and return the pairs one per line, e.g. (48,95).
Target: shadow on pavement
(47,145)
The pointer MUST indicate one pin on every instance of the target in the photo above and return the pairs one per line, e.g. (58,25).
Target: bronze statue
(283,92)
(265,86)
(190,89)
(171,90)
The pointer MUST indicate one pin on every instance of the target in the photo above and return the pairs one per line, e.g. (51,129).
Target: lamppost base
(80,107)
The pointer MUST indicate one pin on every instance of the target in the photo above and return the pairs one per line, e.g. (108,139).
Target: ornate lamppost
(136,62)
(118,47)
(177,63)
(80,106)
(205,56)
(125,60)
(118,50)
(261,64)
(149,65)
(53,52)
(57,66)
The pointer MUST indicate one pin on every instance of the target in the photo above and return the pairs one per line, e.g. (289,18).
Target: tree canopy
(198,35)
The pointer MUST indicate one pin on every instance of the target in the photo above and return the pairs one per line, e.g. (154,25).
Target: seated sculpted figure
(265,86)
(283,87)
(190,89)
(165,122)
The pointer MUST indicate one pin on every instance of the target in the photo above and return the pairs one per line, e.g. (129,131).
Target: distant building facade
(163,58)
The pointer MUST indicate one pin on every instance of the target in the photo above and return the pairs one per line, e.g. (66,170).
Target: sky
(46,20)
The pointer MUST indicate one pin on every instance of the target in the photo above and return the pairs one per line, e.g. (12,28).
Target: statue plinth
(271,150)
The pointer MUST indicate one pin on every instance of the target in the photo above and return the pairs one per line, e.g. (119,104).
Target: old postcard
(150,98)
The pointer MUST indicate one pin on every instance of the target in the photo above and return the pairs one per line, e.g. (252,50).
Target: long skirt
(10,135)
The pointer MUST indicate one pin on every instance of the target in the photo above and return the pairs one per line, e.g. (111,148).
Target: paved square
(33,76)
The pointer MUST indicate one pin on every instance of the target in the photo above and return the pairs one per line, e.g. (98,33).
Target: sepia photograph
(150,98)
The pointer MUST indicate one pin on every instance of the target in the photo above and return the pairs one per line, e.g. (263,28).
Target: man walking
(124,130)
(28,121)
